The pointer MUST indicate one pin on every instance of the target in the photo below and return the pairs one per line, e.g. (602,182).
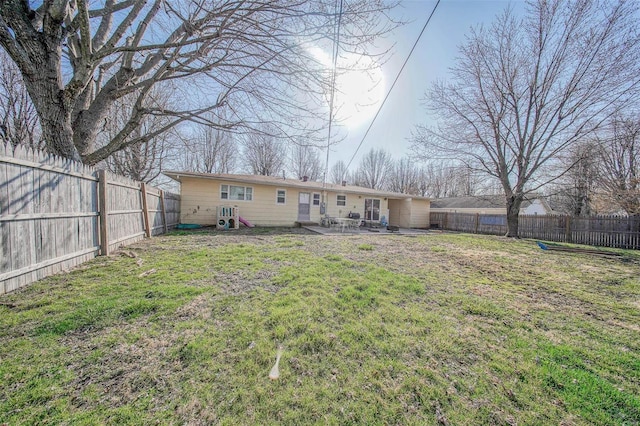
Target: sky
(433,56)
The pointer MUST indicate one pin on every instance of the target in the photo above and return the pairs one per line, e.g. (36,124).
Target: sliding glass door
(372,209)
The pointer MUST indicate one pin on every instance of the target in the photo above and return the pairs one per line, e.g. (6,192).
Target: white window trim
(313,199)
(229,185)
(285,196)
(338,200)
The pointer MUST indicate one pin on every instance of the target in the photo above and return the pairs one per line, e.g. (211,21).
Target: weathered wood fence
(604,231)
(56,213)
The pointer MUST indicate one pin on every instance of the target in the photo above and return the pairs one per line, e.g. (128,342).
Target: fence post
(104,214)
(164,212)
(145,210)
(567,228)
(477,222)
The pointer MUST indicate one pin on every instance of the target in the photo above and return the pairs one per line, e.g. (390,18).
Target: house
(275,201)
(489,204)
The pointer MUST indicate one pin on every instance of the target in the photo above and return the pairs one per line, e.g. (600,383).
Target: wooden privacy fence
(56,213)
(604,231)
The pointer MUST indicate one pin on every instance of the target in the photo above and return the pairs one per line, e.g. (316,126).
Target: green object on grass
(188,226)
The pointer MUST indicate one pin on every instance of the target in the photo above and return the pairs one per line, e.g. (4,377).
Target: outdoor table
(346,223)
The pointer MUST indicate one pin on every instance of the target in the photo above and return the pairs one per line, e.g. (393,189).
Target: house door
(304,207)
(372,209)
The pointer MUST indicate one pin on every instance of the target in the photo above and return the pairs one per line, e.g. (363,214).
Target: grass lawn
(440,329)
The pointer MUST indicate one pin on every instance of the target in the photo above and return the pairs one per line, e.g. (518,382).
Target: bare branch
(525,91)
(248,57)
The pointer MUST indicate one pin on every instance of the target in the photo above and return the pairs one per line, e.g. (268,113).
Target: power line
(394,83)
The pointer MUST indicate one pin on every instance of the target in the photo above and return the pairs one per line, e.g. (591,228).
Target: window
(281,196)
(236,193)
(371,209)
(341,200)
(316,199)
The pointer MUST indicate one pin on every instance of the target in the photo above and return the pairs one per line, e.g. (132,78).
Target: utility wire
(393,85)
(336,51)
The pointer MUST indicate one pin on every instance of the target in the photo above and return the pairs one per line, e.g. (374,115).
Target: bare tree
(444,179)
(18,118)
(423,183)
(211,151)
(373,169)
(78,57)
(264,154)
(619,164)
(142,160)
(524,91)
(404,177)
(339,173)
(305,161)
(434,181)
(574,190)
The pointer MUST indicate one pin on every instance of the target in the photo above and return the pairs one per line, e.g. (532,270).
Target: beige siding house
(274,201)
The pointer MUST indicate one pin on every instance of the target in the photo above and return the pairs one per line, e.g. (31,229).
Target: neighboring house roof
(478,202)
(483,202)
(290,183)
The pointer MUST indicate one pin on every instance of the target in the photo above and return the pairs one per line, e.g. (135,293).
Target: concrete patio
(364,230)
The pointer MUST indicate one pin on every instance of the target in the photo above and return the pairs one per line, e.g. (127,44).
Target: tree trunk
(513,211)
(56,120)
(38,54)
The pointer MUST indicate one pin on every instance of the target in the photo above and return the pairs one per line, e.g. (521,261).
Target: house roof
(290,183)
(480,202)
(477,202)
